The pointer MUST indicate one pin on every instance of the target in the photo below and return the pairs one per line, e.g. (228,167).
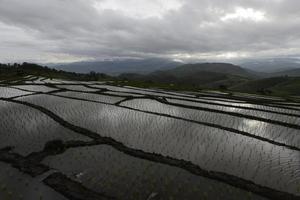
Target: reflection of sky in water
(252,124)
(210,148)
(36,88)
(28,129)
(265,115)
(77,88)
(93,97)
(271,131)
(207,99)
(10,92)
(247,105)
(127,177)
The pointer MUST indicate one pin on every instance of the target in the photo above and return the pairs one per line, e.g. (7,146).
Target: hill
(208,75)
(116,67)
(291,72)
(274,85)
(186,77)
(224,68)
(271,65)
(18,71)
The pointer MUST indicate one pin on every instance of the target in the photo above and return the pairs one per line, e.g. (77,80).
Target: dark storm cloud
(70,30)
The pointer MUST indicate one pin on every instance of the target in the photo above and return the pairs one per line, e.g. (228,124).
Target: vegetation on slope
(18,71)
(273,86)
(191,77)
(206,75)
(291,72)
(116,67)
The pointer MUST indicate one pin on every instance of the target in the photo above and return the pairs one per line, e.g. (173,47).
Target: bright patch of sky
(242,14)
(139,8)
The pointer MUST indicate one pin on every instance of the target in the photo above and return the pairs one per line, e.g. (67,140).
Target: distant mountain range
(280,75)
(271,65)
(258,67)
(274,85)
(204,74)
(224,75)
(189,76)
(116,67)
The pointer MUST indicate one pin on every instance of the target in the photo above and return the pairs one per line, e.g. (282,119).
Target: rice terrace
(64,139)
(149,99)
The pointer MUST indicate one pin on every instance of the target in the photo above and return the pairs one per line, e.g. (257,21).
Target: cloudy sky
(75,30)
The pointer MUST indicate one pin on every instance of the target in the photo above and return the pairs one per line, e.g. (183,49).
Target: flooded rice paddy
(88,140)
